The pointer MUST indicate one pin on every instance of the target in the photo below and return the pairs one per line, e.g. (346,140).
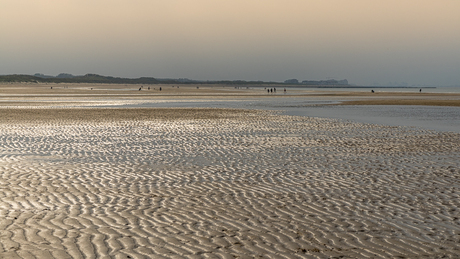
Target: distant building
(291,81)
(326,82)
(42,75)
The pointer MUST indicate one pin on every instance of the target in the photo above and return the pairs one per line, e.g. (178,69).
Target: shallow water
(437,89)
(426,117)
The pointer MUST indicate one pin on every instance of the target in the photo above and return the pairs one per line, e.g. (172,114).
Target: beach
(95,174)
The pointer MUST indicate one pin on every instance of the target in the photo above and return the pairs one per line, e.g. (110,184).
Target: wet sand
(29,94)
(222,183)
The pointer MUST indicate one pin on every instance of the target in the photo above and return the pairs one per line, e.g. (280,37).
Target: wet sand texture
(209,183)
(32,94)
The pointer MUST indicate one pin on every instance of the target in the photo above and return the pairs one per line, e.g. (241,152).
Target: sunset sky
(365,41)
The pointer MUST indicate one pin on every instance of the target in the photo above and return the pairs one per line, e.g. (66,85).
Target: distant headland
(95,78)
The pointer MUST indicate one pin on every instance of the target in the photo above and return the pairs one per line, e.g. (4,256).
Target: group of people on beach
(273,90)
(140,88)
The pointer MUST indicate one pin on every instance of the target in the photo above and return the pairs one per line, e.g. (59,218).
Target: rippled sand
(215,183)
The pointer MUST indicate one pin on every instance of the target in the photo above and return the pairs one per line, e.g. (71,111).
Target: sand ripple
(249,184)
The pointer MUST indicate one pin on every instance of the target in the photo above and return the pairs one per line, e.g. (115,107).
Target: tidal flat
(82,177)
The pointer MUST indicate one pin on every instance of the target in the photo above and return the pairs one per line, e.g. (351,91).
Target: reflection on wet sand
(78,180)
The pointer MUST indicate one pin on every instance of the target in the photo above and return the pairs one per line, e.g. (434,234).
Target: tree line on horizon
(95,78)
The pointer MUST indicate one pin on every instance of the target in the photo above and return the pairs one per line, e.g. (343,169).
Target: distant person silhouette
(420,90)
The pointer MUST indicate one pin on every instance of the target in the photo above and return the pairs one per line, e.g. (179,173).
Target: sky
(367,42)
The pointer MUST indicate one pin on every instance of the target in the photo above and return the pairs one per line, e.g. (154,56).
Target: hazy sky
(364,41)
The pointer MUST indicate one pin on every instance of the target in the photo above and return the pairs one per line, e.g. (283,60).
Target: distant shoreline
(99,79)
